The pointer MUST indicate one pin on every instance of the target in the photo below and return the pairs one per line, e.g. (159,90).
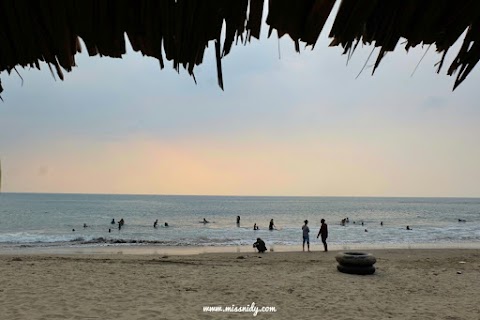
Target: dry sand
(408,284)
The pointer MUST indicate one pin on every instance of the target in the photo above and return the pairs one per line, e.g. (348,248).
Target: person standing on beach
(238,221)
(306,237)
(324,233)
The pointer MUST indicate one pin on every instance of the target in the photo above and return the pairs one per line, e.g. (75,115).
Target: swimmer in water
(155,224)
(205,220)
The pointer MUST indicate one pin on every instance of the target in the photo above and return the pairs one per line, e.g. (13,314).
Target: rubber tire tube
(360,259)
(356,270)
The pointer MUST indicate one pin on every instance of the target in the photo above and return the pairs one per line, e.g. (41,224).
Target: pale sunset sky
(301,125)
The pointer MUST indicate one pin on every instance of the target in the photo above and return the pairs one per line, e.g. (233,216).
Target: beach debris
(241,257)
(462,262)
(17,259)
(459,272)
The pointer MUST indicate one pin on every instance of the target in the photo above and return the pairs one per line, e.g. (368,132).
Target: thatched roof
(180,30)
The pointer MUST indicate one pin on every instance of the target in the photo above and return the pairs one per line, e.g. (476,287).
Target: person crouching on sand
(260,245)
(324,233)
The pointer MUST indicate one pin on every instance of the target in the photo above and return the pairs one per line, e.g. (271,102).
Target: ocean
(30,220)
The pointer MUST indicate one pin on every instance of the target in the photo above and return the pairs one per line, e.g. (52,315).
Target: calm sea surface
(43,220)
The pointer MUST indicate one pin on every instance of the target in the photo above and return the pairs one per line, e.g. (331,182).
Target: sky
(287,124)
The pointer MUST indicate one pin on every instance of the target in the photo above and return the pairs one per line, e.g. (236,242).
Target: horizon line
(229,195)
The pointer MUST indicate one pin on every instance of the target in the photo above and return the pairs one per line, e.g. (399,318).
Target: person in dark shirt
(324,233)
(260,245)
(271,226)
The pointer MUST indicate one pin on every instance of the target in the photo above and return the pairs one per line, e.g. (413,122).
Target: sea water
(48,220)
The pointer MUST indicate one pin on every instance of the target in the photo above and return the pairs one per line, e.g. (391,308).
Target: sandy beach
(408,284)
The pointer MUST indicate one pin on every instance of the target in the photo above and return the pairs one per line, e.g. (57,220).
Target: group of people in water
(271,225)
(346,220)
(260,244)
(121,222)
(155,224)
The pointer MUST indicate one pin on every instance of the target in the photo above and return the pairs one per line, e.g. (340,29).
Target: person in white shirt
(306,237)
